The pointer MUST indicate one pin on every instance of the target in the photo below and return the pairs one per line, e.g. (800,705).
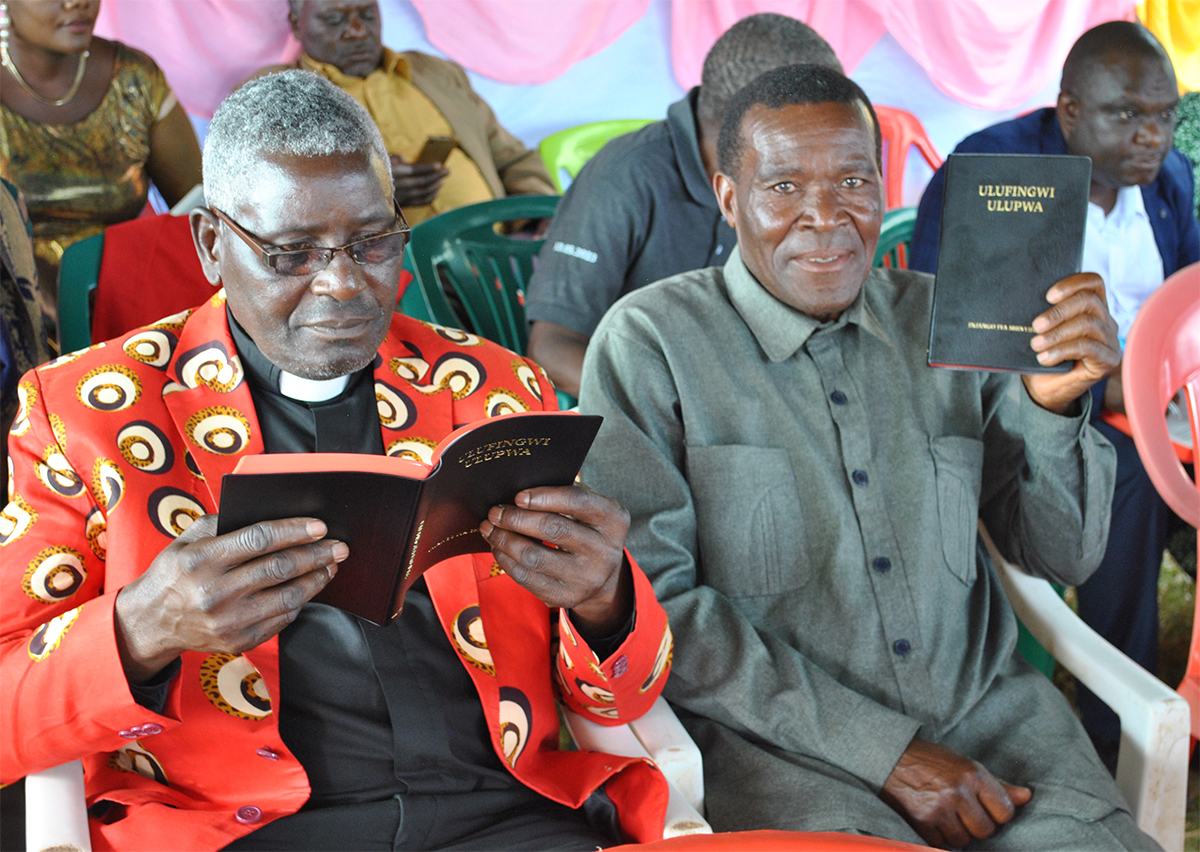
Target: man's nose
(342,279)
(818,207)
(355,28)
(1154,131)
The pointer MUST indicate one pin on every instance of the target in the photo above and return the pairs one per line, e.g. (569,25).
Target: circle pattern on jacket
(219,429)
(417,449)
(396,411)
(152,347)
(56,473)
(661,660)
(516,721)
(48,637)
(411,369)
(15,519)
(528,379)
(95,529)
(455,335)
(108,484)
(54,575)
(134,758)
(210,366)
(462,375)
(146,447)
(501,401)
(235,687)
(110,388)
(470,641)
(173,510)
(27,395)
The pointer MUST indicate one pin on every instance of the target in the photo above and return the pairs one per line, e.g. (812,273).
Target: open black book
(1012,225)
(400,516)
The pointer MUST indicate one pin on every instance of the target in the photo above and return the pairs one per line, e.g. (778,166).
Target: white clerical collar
(310,390)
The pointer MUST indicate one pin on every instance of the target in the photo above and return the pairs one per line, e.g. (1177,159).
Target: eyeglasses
(307,261)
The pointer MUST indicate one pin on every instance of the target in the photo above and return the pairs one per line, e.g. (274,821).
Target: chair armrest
(680,759)
(1155,720)
(56,810)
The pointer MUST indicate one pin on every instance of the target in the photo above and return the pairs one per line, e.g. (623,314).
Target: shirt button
(882,564)
(901,647)
(859,477)
(267,753)
(838,397)
(151,728)
(247,814)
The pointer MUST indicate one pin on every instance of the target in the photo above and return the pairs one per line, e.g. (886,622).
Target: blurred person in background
(85,125)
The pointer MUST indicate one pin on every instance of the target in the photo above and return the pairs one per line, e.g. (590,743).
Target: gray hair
(294,113)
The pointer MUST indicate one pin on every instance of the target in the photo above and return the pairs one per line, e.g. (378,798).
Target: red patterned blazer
(116,449)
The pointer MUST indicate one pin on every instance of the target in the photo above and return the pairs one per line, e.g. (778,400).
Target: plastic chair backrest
(141,271)
(487,270)
(78,276)
(1162,355)
(901,130)
(569,149)
(894,237)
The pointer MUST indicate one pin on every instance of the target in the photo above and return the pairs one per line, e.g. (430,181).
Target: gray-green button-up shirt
(804,498)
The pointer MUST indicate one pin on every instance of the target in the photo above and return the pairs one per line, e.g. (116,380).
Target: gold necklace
(12,69)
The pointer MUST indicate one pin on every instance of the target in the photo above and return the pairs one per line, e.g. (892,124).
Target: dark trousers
(1120,601)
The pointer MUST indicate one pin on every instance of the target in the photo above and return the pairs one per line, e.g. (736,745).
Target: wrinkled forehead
(276,186)
(799,132)
(1117,76)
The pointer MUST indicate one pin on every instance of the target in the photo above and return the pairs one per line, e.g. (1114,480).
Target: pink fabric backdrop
(525,41)
(205,47)
(992,54)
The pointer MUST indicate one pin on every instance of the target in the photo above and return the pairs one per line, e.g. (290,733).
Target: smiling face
(325,324)
(807,203)
(347,35)
(1123,117)
(62,27)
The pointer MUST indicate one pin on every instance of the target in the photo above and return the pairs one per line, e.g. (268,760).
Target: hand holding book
(1077,328)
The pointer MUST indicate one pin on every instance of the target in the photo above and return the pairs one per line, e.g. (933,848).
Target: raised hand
(1077,328)
(227,593)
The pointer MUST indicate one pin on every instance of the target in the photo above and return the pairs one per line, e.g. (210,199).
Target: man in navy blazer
(1116,106)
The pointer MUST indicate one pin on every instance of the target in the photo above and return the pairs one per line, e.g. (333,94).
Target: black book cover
(399,516)
(1012,225)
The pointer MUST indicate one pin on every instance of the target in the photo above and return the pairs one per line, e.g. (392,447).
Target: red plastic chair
(1162,355)
(901,130)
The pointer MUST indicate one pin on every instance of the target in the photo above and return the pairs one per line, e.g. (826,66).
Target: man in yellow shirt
(413,96)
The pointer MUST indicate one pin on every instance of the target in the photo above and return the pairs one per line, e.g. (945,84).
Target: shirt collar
(390,63)
(681,123)
(781,329)
(260,370)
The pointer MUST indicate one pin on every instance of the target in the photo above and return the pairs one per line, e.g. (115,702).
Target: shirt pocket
(958,474)
(748,520)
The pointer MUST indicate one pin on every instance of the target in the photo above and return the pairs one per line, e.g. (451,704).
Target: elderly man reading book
(212,705)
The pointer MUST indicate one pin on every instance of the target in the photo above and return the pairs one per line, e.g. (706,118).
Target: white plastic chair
(1155,721)
(56,815)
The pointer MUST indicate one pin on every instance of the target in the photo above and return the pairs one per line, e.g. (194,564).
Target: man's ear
(204,235)
(724,187)
(294,23)
(1067,110)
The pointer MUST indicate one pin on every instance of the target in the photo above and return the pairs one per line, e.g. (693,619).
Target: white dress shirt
(1120,248)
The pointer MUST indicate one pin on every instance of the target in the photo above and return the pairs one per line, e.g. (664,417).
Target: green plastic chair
(894,237)
(78,275)
(486,270)
(567,150)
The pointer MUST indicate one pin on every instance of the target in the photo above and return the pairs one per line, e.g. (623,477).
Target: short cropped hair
(1103,41)
(293,113)
(753,46)
(792,84)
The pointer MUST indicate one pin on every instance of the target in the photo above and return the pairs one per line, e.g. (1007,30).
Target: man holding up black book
(213,708)
(804,491)
(1116,106)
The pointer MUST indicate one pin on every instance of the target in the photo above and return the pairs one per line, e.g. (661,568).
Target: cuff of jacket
(872,741)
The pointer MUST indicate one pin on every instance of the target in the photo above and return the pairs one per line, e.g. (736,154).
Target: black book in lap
(1012,225)
(402,516)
